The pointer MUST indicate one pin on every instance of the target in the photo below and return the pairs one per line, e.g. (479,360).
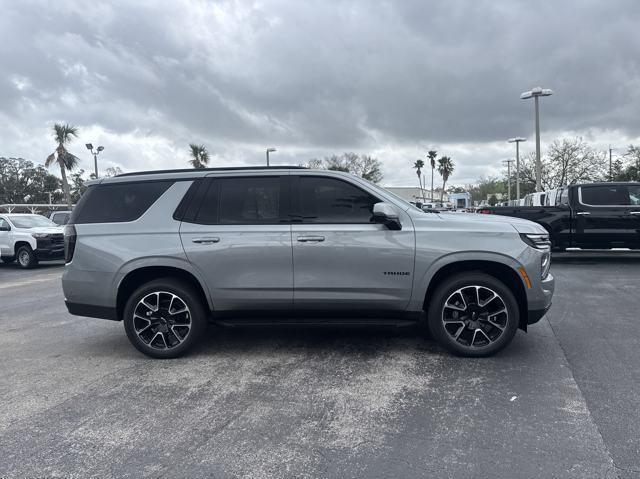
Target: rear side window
(605,195)
(328,200)
(117,202)
(563,196)
(634,195)
(246,200)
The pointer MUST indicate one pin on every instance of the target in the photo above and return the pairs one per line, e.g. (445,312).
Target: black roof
(198,170)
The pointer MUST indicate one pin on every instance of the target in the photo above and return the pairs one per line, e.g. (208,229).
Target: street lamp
(269,150)
(535,93)
(517,141)
(95,156)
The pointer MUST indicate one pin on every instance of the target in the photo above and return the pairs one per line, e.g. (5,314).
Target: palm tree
(418,165)
(445,168)
(63,134)
(432,154)
(200,156)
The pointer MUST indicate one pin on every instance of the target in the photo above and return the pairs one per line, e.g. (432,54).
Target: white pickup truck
(29,238)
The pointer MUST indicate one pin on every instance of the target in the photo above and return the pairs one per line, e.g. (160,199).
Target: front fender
(424,278)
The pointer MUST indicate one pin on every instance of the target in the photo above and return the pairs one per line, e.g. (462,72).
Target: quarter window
(328,200)
(117,202)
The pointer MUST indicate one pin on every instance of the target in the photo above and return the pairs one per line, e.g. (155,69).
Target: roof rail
(226,168)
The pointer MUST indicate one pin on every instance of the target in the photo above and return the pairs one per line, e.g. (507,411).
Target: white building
(414,195)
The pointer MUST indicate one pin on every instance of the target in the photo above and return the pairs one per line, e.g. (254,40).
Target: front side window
(634,195)
(605,195)
(329,200)
(249,200)
(3,223)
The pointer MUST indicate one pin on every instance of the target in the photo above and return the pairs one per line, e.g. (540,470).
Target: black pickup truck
(587,216)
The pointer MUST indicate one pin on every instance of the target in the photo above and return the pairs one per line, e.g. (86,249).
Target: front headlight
(537,240)
(40,235)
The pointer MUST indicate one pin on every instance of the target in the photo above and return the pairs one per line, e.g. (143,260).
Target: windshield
(31,221)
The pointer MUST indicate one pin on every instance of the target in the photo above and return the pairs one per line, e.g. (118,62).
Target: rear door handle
(309,239)
(583,213)
(634,212)
(208,240)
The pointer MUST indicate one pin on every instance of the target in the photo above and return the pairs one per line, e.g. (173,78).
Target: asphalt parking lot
(79,401)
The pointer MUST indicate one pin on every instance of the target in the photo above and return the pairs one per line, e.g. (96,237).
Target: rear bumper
(92,311)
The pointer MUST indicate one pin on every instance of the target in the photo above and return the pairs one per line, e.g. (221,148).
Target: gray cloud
(317,77)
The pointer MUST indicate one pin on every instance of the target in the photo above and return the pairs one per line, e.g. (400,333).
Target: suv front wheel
(473,314)
(164,318)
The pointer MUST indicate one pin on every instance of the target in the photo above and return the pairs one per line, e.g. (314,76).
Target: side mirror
(387,215)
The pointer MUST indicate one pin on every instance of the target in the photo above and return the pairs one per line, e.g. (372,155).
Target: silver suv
(167,252)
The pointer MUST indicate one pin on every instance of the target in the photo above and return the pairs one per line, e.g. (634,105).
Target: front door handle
(583,213)
(208,240)
(309,239)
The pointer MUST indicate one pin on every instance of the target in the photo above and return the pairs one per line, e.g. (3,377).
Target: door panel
(237,241)
(603,217)
(342,260)
(354,267)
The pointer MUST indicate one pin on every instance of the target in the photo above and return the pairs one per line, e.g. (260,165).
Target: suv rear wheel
(473,314)
(164,318)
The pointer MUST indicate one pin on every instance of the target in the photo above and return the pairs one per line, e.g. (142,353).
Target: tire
(165,335)
(8,259)
(26,257)
(486,330)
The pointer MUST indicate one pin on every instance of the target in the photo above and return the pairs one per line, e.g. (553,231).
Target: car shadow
(46,265)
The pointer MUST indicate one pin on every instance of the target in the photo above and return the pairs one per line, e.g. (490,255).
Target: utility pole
(610,164)
(508,162)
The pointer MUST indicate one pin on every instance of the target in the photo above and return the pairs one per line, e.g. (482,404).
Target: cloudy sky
(312,78)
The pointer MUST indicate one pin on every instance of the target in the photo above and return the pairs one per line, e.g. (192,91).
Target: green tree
(199,156)
(23,182)
(418,165)
(63,135)
(445,169)
(432,155)
(493,200)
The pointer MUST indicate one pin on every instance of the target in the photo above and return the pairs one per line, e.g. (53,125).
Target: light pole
(535,93)
(517,141)
(95,156)
(508,162)
(269,150)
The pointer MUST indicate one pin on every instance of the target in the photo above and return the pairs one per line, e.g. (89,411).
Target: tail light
(69,242)
(484,211)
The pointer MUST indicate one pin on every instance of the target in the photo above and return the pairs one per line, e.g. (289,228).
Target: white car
(29,238)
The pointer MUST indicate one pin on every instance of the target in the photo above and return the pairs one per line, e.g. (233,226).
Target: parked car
(29,238)
(165,252)
(60,217)
(588,216)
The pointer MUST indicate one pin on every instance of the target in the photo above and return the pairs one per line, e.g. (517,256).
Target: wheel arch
(135,277)
(503,272)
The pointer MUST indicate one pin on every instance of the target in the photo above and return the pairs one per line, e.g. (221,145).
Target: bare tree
(567,161)
(364,166)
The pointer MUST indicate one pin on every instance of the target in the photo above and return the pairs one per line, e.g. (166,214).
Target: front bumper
(51,248)
(540,301)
